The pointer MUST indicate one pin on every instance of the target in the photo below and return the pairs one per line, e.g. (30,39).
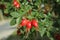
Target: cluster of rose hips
(16,3)
(29,24)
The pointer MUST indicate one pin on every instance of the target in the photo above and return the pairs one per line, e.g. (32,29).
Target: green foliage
(58,1)
(19,20)
(15,14)
(6,11)
(13,22)
(42,31)
(33,10)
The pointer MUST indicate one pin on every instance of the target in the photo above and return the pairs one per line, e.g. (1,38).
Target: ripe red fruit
(28,25)
(15,2)
(24,22)
(34,23)
(17,5)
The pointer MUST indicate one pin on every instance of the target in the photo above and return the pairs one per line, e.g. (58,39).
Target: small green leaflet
(32,30)
(48,34)
(13,22)
(6,11)
(15,14)
(42,31)
(19,20)
(51,38)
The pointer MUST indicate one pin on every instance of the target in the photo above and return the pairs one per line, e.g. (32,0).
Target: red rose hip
(15,2)
(23,22)
(28,25)
(17,5)
(34,23)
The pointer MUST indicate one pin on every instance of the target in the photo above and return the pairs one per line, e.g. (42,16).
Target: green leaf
(48,34)
(41,15)
(32,30)
(14,14)
(58,21)
(13,22)
(42,31)
(33,13)
(58,1)
(51,38)
(19,20)
(29,17)
(40,24)
(38,2)
(6,11)
(49,14)
(28,7)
